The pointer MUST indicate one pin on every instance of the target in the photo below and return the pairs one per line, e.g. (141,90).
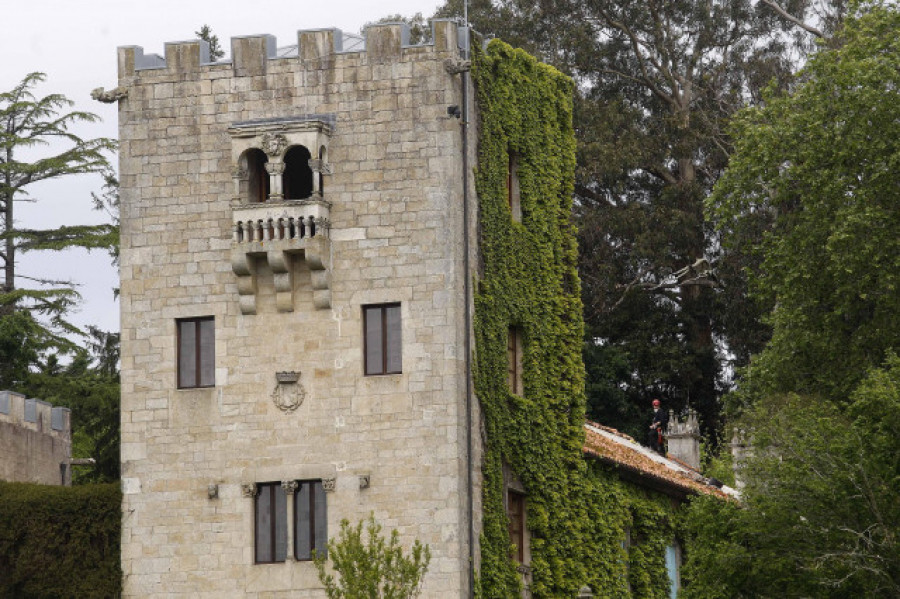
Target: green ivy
(577,512)
(60,541)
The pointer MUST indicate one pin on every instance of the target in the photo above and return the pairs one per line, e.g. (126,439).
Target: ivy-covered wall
(58,542)
(577,512)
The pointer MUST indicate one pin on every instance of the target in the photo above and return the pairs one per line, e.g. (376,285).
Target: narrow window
(258,176)
(673,568)
(514,359)
(298,177)
(196,352)
(382,339)
(271,523)
(515,511)
(512,187)
(310,520)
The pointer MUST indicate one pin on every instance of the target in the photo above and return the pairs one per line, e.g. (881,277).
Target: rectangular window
(515,511)
(512,187)
(271,523)
(196,352)
(673,568)
(382,336)
(514,359)
(310,520)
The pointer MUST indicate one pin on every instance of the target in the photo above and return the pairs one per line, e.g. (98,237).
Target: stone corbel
(328,484)
(246,281)
(249,490)
(281,264)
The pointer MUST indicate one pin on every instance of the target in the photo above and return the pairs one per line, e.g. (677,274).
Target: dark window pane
(207,352)
(187,353)
(374,340)
(394,337)
(320,518)
(264,524)
(301,527)
(280,517)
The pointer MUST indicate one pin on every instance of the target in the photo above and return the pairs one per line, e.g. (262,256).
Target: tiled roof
(637,461)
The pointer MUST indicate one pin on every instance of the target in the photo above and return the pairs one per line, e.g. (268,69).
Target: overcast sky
(74,42)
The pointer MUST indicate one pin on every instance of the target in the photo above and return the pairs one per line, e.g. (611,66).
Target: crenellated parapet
(315,49)
(35,440)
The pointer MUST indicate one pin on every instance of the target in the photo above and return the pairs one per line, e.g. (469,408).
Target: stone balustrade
(274,221)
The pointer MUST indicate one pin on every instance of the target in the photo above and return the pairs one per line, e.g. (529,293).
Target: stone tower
(293,265)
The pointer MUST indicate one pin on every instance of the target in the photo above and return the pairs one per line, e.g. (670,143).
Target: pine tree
(28,122)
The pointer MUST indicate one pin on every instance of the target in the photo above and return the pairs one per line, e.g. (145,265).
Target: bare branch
(786,15)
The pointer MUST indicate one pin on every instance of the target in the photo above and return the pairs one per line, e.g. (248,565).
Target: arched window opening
(258,177)
(298,177)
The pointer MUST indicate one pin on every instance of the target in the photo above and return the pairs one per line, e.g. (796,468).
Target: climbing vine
(577,513)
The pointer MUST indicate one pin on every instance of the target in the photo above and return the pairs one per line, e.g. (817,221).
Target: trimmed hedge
(58,542)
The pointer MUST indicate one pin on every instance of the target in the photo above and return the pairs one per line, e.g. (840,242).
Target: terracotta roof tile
(619,449)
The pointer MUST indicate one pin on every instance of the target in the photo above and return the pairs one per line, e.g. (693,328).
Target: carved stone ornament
(273,145)
(288,394)
(249,490)
(239,172)
(289,486)
(109,97)
(328,484)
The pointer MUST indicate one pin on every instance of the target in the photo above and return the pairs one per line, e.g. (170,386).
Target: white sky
(74,42)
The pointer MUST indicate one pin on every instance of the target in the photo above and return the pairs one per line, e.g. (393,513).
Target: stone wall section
(396,236)
(35,441)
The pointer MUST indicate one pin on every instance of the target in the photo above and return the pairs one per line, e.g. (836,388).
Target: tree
(819,166)
(656,84)
(29,122)
(215,50)
(821,505)
(372,568)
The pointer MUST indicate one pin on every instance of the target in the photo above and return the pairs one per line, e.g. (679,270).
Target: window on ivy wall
(382,339)
(270,523)
(310,520)
(196,352)
(515,511)
(673,568)
(512,187)
(514,360)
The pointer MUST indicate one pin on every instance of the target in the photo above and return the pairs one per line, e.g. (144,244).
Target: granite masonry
(35,441)
(293,308)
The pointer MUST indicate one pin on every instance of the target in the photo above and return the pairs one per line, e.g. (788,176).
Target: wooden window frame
(517,519)
(322,543)
(382,369)
(198,353)
(272,489)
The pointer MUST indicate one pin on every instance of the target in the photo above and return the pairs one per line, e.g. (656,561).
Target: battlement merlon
(316,48)
(35,414)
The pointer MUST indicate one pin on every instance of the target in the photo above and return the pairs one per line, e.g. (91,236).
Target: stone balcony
(282,233)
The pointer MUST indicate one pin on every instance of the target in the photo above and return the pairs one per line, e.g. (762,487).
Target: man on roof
(657,428)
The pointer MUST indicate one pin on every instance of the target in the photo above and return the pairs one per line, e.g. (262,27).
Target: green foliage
(29,122)
(374,568)
(59,542)
(577,513)
(215,50)
(819,167)
(821,504)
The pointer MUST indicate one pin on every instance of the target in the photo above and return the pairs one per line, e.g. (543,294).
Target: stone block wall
(35,441)
(392,193)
